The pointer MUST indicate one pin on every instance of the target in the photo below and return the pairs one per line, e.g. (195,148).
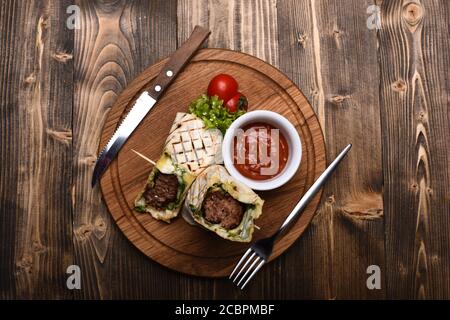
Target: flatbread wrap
(223,205)
(189,148)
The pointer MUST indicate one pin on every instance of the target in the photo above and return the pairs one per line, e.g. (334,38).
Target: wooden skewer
(144,157)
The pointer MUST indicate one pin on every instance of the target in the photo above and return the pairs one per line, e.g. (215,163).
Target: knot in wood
(100,227)
(399,86)
(37,247)
(422,116)
(62,57)
(412,13)
(402,270)
(338,98)
(301,39)
(435,258)
(25,263)
(64,136)
(330,200)
(89,160)
(30,79)
(83,232)
(364,206)
(336,33)
(43,22)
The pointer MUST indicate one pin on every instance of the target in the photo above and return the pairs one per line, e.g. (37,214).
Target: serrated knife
(145,102)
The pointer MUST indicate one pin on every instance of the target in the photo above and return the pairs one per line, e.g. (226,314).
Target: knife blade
(147,100)
(141,107)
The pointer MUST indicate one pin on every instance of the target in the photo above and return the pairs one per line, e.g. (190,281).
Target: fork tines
(256,263)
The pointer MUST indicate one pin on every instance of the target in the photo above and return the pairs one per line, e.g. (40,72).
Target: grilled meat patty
(163,192)
(221,208)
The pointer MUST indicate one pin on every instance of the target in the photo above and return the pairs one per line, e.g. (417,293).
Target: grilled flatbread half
(193,146)
(224,217)
(189,148)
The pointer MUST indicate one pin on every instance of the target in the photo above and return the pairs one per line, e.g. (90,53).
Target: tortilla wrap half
(189,148)
(213,178)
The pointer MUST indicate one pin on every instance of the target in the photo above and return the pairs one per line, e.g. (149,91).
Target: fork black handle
(301,205)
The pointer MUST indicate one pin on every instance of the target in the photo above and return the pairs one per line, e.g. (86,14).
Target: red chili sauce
(250,148)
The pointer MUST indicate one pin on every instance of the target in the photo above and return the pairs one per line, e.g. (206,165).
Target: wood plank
(247,26)
(36,135)
(250,27)
(191,13)
(308,261)
(414,56)
(408,86)
(115,43)
(9,170)
(320,48)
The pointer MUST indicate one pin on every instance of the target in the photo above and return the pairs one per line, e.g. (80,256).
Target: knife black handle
(177,61)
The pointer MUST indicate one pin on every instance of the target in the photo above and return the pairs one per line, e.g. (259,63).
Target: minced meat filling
(221,208)
(163,192)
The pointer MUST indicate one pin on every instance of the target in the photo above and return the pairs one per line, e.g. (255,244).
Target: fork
(259,253)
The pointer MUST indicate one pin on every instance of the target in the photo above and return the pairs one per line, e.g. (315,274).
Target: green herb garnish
(140,208)
(213,113)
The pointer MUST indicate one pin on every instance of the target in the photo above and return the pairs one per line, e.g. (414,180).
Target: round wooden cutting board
(178,245)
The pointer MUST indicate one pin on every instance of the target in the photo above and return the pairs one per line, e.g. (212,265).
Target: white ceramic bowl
(289,132)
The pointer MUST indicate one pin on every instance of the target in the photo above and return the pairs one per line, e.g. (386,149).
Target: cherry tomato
(237,102)
(224,86)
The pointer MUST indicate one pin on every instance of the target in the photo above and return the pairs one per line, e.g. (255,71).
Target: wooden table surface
(385,90)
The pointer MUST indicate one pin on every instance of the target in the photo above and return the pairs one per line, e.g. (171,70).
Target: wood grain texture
(299,58)
(414,93)
(35,150)
(118,39)
(247,26)
(333,57)
(388,88)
